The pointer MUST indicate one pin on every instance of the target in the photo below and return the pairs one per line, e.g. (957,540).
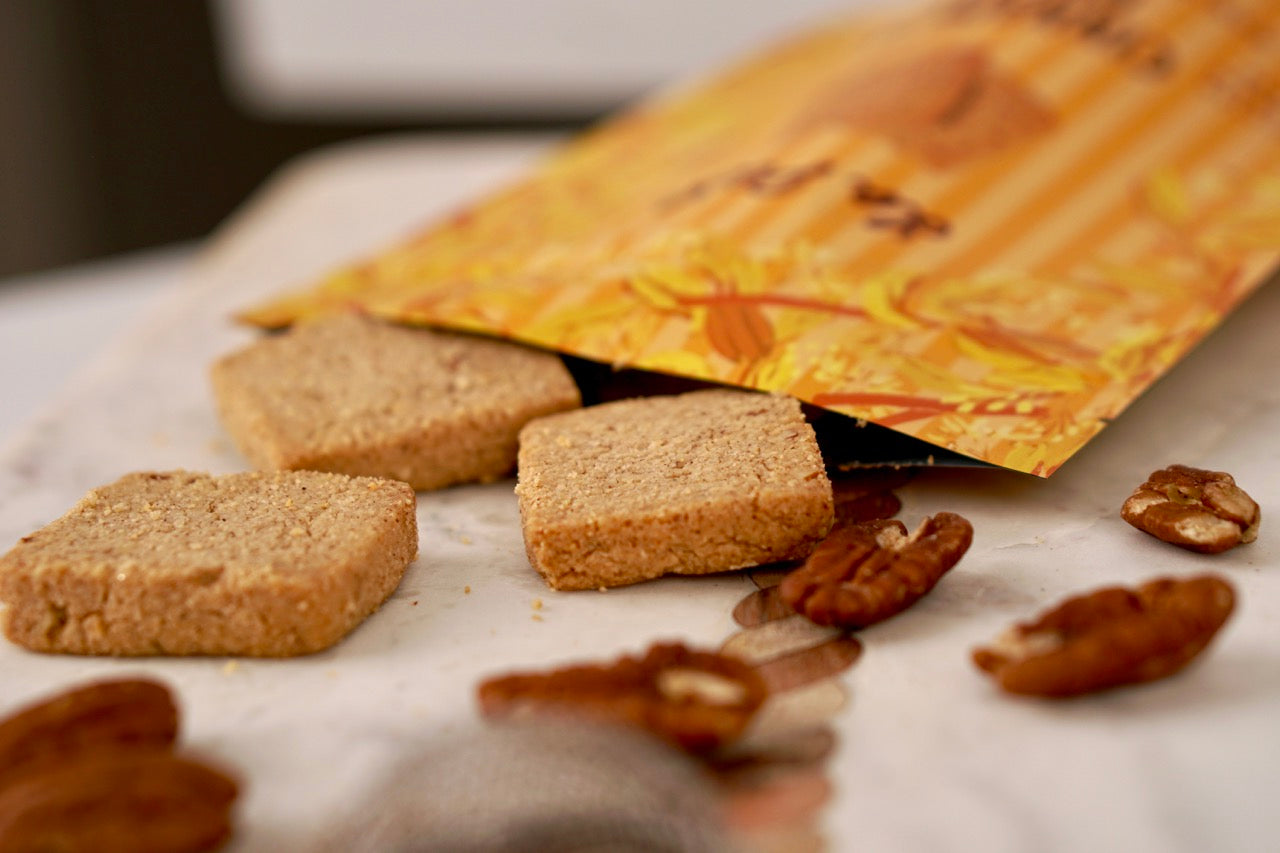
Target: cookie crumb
(230,667)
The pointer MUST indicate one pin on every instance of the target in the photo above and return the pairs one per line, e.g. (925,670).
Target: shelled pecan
(866,494)
(864,573)
(694,699)
(92,770)
(121,714)
(1110,637)
(149,801)
(1199,510)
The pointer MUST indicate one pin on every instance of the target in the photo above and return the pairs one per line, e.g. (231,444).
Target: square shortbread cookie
(690,484)
(179,563)
(358,396)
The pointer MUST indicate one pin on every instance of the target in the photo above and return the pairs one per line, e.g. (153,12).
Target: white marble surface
(53,323)
(931,757)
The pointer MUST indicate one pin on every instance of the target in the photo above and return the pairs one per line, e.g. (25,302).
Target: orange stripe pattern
(989,225)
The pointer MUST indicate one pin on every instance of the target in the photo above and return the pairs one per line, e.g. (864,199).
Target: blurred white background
(485,57)
(137,123)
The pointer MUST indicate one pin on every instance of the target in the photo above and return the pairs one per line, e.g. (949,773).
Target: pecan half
(866,494)
(696,700)
(1195,509)
(799,747)
(853,509)
(1111,637)
(763,605)
(120,714)
(805,666)
(110,802)
(865,573)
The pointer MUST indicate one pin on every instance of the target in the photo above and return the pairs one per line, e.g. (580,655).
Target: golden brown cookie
(358,396)
(179,563)
(689,484)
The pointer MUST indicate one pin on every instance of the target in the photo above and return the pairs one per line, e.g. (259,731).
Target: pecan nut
(1195,509)
(696,700)
(805,666)
(869,507)
(109,802)
(1110,637)
(866,494)
(763,605)
(119,714)
(864,573)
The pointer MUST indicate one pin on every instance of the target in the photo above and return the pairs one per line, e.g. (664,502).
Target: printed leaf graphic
(739,332)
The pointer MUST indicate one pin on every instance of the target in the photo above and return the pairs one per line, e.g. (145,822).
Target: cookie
(180,563)
(357,396)
(689,484)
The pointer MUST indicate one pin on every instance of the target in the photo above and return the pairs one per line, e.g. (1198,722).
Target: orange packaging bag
(987,224)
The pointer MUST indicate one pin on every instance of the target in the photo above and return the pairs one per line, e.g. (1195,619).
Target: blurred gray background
(137,123)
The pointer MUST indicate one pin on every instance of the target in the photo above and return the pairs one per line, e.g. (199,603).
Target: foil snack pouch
(987,224)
